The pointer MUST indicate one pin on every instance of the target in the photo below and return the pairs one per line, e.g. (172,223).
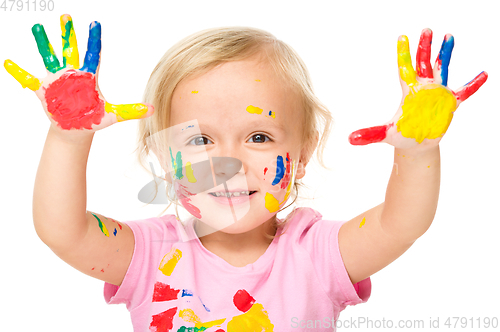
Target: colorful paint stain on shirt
(362,222)
(169,261)
(74,102)
(163,292)
(243,301)
(254,110)
(102,226)
(26,79)
(189,173)
(280,170)
(255,319)
(427,113)
(163,322)
(189,316)
(271,203)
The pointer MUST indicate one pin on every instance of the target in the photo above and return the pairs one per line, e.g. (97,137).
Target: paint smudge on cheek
(271,203)
(265,170)
(176,164)
(280,170)
(163,292)
(290,183)
(169,261)
(74,102)
(183,194)
(190,173)
(286,180)
(102,226)
(362,222)
(163,322)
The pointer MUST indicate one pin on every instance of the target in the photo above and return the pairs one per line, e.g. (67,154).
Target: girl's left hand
(427,105)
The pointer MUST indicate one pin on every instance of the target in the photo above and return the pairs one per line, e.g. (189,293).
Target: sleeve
(151,236)
(351,294)
(320,238)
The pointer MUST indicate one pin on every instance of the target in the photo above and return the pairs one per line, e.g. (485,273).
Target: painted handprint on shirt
(427,106)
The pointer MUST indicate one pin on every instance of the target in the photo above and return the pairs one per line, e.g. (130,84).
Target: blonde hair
(200,52)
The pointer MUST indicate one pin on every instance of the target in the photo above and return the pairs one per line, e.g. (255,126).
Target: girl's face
(247,123)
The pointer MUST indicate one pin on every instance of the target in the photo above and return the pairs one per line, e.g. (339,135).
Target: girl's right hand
(69,94)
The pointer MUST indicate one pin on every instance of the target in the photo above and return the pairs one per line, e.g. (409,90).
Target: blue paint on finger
(93,48)
(445,56)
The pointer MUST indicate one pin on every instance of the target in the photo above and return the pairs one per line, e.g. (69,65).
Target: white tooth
(246,192)
(218,194)
(236,194)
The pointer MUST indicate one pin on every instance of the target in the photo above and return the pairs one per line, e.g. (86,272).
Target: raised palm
(69,94)
(427,105)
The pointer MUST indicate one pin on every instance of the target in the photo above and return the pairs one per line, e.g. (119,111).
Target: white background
(350,50)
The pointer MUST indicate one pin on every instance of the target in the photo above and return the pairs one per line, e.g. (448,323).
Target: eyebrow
(256,124)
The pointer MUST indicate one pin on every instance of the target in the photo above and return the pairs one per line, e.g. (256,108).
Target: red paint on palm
(74,102)
(368,135)
(243,301)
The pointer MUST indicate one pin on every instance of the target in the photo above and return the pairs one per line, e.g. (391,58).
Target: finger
(406,71)
(93,48)
(22,76)
(424,68)
(443,60)
(70,47)
(129,111)
(470,88)
(368,135)
(45,49)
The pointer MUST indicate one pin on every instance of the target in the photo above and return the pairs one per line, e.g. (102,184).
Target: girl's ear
(306,154)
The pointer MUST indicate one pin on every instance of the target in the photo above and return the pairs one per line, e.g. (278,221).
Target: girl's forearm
(60,192)
(412,193)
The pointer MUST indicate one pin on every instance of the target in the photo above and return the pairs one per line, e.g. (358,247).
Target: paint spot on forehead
(257,80)
(194,91)
(254,109)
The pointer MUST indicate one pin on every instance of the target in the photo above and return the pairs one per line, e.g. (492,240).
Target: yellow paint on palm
(254,110)
(169,261)
(272,203)
(255,319)
(427,113)
(22,76)
(189,173)
(70,47)
(406,71)
(127,111)
(188,315)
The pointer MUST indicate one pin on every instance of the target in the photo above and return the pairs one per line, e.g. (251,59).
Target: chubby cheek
(277,181)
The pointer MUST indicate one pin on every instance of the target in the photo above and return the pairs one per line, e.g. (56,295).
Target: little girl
(234,125)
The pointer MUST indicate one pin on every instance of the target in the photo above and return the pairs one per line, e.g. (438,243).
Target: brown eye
(260,138)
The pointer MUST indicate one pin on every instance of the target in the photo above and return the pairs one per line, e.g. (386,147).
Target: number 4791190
(28,5)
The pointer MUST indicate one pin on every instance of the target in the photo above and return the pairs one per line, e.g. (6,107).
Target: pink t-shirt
(174,284)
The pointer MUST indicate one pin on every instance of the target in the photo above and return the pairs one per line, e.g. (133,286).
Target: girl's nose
(225,168)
